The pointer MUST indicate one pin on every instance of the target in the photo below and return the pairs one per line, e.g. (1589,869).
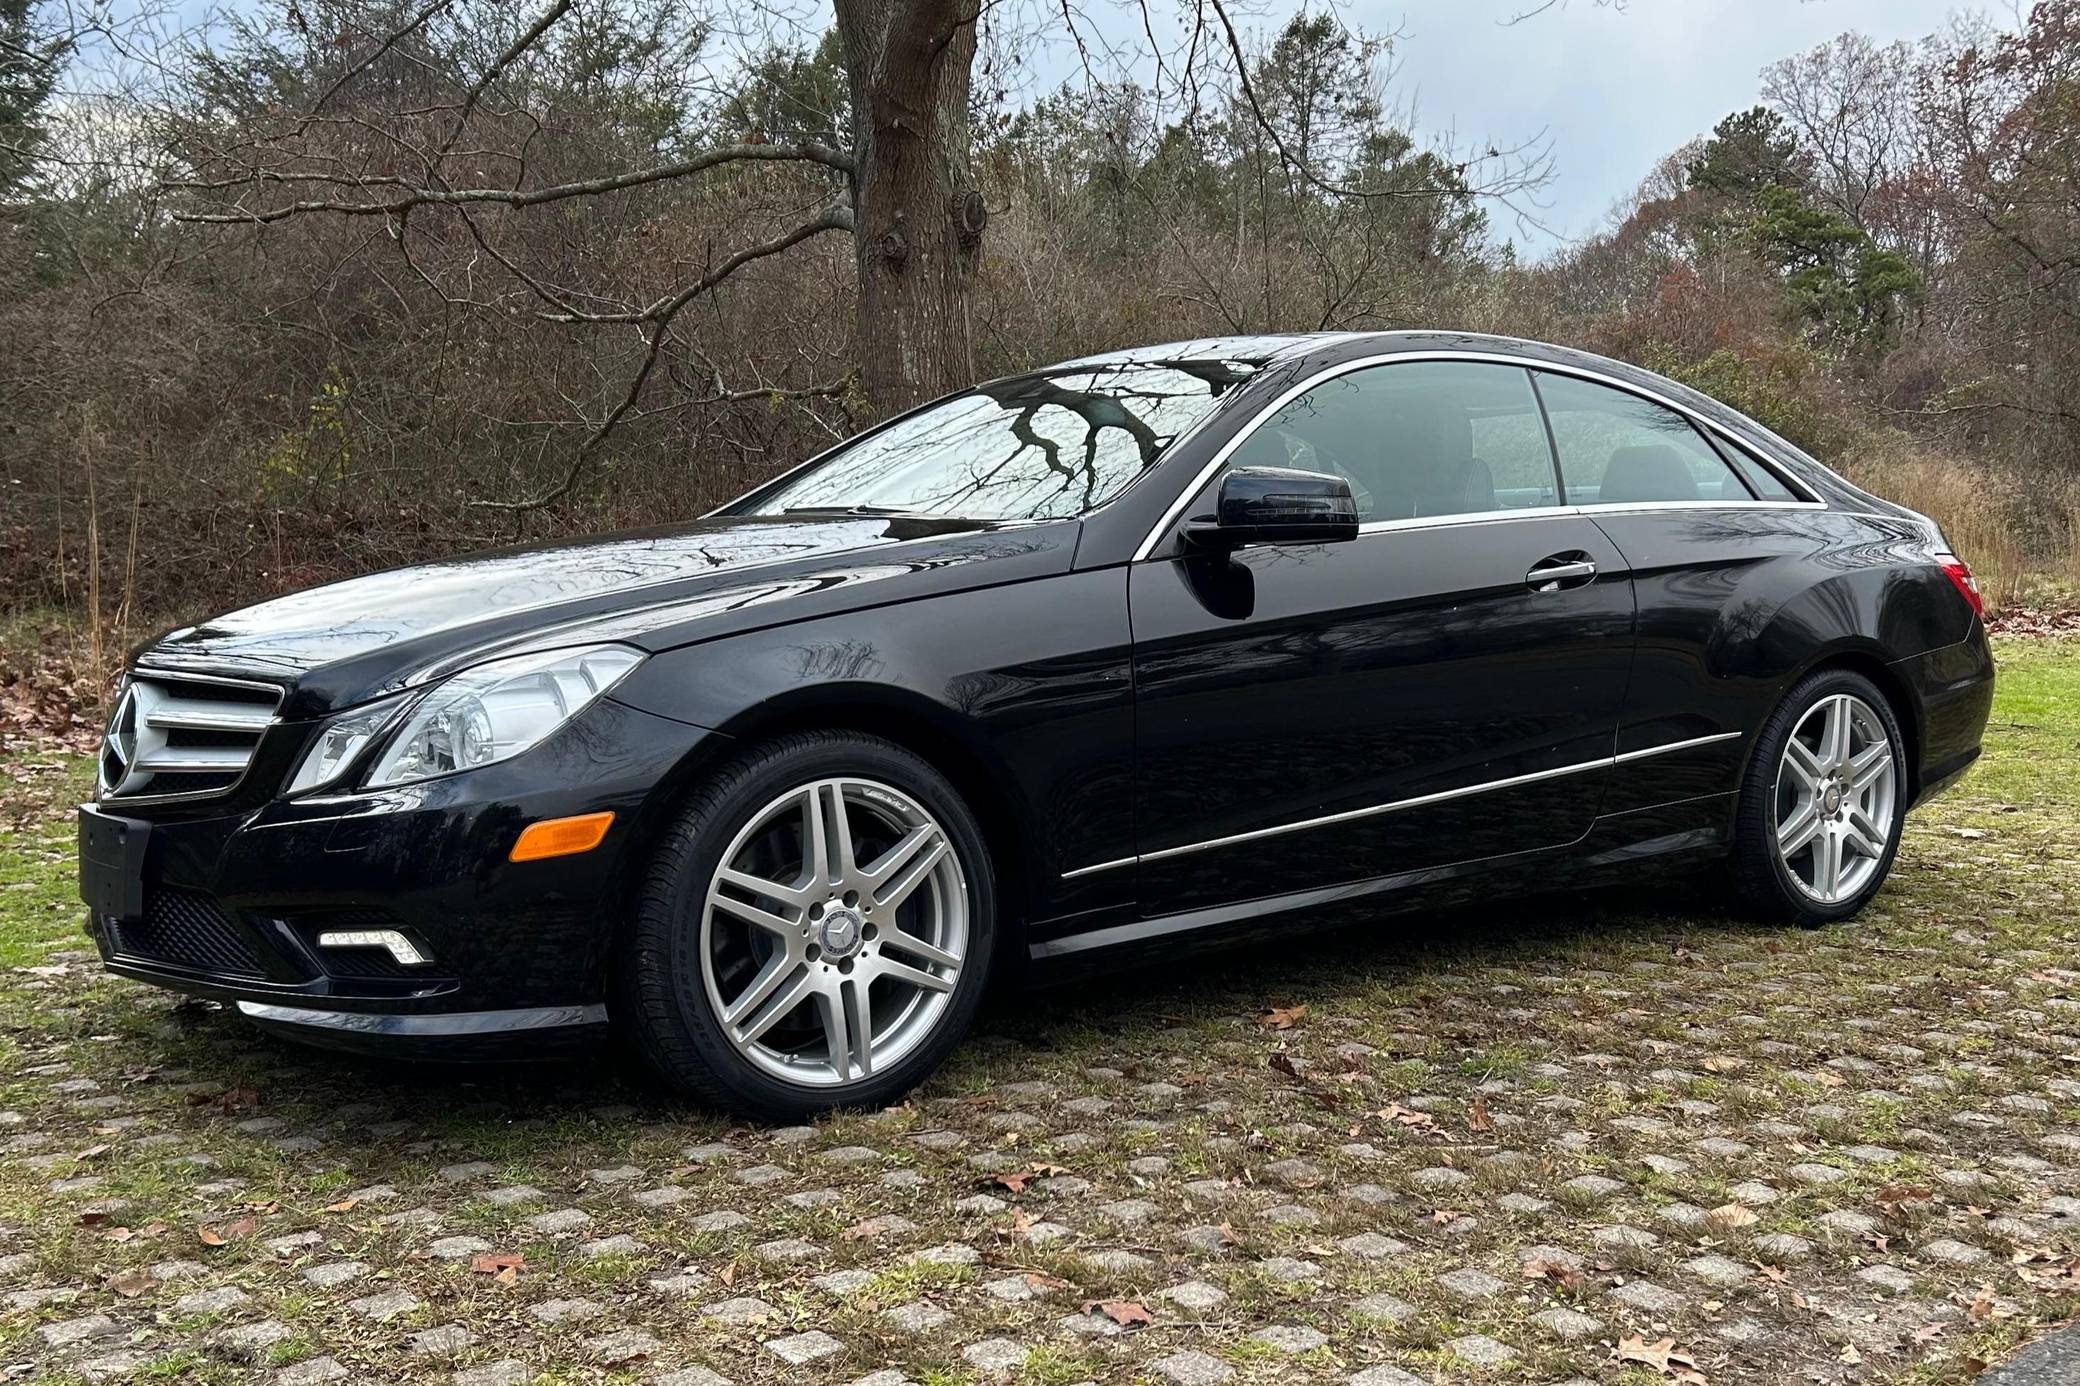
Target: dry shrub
(2004,526)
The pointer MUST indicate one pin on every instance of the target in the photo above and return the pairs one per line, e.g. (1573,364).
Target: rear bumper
(1953,696)
(517,952)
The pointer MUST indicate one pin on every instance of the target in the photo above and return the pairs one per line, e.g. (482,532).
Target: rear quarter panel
(1736,604)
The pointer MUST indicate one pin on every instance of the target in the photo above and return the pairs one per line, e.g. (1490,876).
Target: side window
(1765,483)
(1420,439)
(1619,449)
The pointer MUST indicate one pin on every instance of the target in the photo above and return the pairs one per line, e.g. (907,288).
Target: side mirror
(1276,505)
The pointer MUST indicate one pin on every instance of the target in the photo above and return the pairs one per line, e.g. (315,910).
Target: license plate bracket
(111,863)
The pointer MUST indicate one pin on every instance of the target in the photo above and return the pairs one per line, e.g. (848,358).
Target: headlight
(341,741)
(497,710)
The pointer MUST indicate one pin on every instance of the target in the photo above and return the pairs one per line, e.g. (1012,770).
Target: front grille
(187,929)
(183,734)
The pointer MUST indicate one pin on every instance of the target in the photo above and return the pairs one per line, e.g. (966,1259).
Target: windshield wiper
(854,510)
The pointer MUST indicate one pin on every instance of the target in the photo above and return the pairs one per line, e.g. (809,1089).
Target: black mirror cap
(1278,505)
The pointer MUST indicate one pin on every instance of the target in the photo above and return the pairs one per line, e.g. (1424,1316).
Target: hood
(348,641)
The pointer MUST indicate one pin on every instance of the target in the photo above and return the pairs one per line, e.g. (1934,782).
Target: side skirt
(1617,847)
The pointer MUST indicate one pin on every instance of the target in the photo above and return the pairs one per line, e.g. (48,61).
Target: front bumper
(232,900)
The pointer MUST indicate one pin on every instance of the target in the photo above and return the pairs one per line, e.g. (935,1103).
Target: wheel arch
(1866,660)
(932,733)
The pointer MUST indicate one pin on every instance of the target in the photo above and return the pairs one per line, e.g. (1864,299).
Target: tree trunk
(917,215)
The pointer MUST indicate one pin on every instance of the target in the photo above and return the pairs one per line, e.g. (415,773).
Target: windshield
(1038,447)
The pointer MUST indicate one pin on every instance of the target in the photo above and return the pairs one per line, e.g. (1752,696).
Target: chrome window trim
(1397,805)
(1175,509)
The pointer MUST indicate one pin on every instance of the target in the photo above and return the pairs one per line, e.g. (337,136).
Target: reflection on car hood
(346,641)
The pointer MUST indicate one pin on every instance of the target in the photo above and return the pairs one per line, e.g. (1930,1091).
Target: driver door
(1316,714)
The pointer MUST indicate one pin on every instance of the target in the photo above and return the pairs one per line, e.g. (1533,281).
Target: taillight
(1960,574)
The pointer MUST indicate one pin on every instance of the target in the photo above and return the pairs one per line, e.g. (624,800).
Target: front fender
(1021,694)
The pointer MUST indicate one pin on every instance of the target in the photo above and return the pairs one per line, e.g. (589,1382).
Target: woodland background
(1880,259)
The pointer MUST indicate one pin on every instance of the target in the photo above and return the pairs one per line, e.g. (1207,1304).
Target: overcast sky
(1614,89)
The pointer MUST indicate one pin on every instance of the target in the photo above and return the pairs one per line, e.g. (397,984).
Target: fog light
(398,945)
(561,837)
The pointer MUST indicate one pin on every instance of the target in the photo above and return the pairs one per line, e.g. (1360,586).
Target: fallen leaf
(1395,1112)
(92,1152)
(130,1284)
(1125,1312)
(1850,1354)
(1477,1118)
(1728,1216)
(1774,1273)
(1540,1268)
(230,1232)
(495,1263)
(1663,1356)
(345,1205)
(1981,1307)
(1929,1332)
(1893,1197)
(1723,1063)
(1282,1018)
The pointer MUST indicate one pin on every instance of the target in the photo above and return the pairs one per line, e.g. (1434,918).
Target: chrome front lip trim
(1302,825)
(1176,508)
(440,1025)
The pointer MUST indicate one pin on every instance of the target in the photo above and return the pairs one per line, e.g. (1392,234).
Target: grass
(1931,1027)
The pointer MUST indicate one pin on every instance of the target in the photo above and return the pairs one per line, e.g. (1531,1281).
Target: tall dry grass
(2011,529)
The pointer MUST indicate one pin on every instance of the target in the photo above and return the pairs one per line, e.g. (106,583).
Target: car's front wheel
(1824,800)
(815,931)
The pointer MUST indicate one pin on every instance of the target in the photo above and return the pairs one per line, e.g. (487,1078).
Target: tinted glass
(1421,439)
(1619,449)
(1032,448)
(1761,480)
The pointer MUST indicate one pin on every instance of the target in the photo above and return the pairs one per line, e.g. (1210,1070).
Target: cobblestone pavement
(1615,1139)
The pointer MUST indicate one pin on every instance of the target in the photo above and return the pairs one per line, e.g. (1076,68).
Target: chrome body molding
(1397,805)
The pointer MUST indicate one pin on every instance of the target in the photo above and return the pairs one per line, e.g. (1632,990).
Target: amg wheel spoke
(837,1034)
(1803,765)
(916,977)
(886,865)
(834,861)
(1863,835)
(799,896)
(1834,735)
(922,862)
(1868,764)
(752,914)
(897,940)
(859,1023)
(774,1011)
(1827,864)
(777,970)
(1796,831)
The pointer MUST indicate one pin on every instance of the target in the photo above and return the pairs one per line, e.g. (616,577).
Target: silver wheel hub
(833,933)
(840,933)
(1835,798)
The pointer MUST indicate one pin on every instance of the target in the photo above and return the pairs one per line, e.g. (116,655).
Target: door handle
(1559,571)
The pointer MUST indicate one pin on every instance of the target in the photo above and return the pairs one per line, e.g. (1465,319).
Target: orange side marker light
(561,837)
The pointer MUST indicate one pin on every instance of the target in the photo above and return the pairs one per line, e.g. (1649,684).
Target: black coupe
(1121,652)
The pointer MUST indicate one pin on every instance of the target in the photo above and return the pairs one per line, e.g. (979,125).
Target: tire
(1855,792)
(827,946)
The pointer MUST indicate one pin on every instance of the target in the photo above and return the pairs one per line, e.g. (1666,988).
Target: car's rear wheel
(1824,799)
(815,931)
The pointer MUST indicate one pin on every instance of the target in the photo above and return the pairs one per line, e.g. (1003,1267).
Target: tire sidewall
(770,775)
(1758,804)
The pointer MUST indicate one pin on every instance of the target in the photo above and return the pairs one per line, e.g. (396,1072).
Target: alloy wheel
(1835,796)
(833,933)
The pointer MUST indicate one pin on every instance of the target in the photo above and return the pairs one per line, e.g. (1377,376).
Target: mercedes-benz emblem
(119,746)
